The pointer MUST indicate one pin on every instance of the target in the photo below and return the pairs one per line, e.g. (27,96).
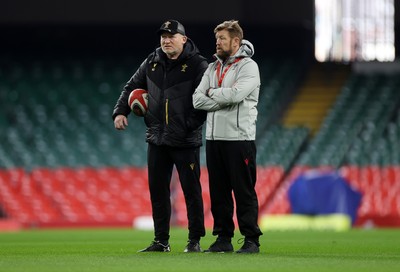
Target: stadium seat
(62,160)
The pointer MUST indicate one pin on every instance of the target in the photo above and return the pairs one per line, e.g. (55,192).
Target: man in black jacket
(174,129)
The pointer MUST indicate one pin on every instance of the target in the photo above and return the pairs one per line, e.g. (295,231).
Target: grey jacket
(232,107)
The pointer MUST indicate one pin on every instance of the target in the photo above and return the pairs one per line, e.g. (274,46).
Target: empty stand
(46,197)
(360,137)
(280,146)
(380,187)
(62,161)
(58,113)
(355,123)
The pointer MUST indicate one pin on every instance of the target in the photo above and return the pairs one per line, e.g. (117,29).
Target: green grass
(115,250)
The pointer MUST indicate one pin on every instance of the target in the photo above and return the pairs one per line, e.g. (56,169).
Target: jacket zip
(166,99)
(166,111)
(212,126)
(213,114)
(237,117)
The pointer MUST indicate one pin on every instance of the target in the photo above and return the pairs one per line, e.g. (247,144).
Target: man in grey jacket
(229,92)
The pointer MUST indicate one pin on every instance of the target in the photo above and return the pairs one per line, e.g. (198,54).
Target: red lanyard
(221,77)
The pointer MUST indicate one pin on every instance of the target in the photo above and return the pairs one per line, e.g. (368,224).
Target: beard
(224,54)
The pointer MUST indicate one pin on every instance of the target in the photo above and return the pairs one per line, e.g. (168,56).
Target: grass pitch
(90,250)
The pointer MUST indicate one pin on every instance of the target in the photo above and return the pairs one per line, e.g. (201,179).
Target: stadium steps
(354,130)
(316,96)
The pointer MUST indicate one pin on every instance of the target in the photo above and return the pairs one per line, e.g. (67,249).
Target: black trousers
(161,160)
(232,167)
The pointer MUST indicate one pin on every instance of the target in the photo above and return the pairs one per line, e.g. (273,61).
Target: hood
(246,50)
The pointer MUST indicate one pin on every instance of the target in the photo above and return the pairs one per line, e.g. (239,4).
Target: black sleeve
(138,80)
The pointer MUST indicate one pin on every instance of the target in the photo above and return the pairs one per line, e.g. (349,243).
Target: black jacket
(171,119)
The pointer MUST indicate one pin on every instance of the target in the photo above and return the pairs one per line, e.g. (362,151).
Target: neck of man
(172,57)
(225,57)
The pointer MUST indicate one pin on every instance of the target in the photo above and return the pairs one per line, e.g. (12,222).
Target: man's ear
(237,41)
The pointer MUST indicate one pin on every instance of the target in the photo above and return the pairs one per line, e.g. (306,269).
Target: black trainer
(193,246)
(157,246)
(249,246)
(221,245)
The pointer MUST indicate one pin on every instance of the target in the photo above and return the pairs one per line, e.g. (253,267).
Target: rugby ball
(137,101)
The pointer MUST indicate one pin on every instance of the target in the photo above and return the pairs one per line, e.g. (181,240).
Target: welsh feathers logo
(166,24)
(184,66)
